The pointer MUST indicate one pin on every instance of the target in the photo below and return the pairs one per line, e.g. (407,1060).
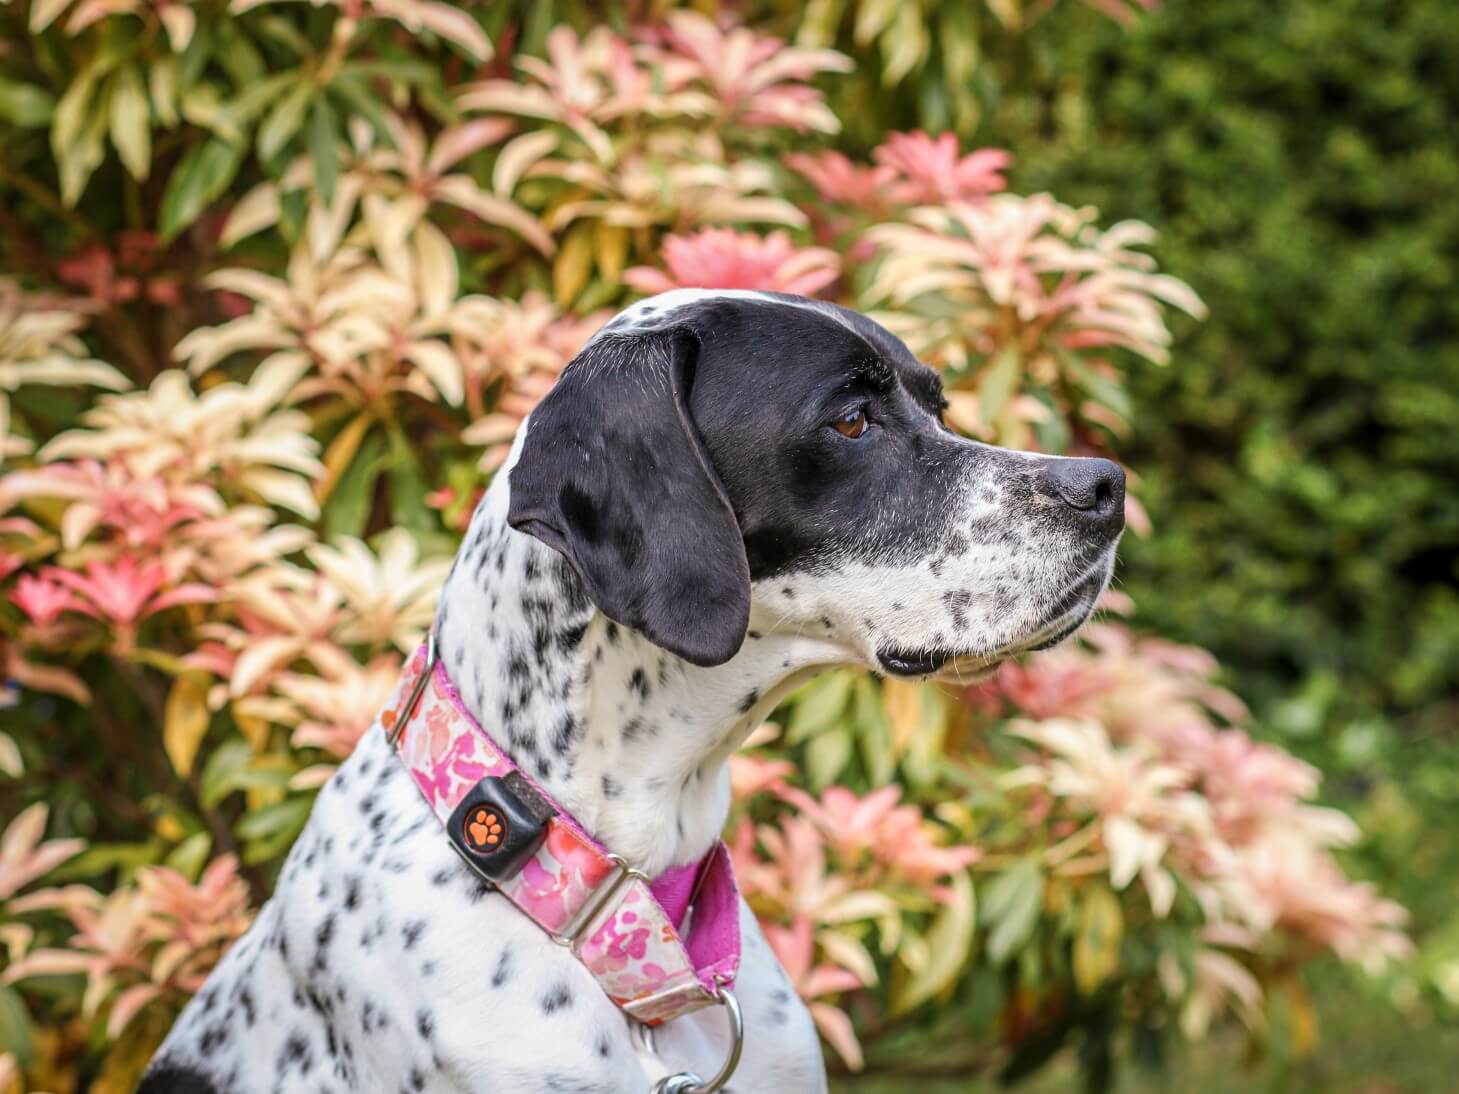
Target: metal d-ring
(403,714)
(686,1082)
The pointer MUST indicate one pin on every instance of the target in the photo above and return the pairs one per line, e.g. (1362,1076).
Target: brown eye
(852,425)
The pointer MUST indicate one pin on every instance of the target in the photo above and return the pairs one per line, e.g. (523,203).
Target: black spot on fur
(294,1056)
(639,683)
(557,998)
(567,640)
(503,971)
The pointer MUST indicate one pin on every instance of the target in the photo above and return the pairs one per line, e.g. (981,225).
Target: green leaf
(270,830)
(196,56)
(127,858)
(283,121)
(262,778)
(131,122)
(1103,388)
(407,484)
(190,856)
(826,757)
(874,732)
(818,706)
(324,149)
(996,384)
(285,33)
(232,119)
(401,69)
(75,135)
(226,762)
(25,105)
(1011,905)
(241,60)
(203,174)
(15,1030)
(352,498)
(360,100)
(949,941)
(272,819)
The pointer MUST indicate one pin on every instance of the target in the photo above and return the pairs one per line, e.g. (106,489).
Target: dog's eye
(853,424)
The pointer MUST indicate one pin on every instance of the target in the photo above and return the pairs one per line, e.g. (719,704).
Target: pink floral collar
(628,930)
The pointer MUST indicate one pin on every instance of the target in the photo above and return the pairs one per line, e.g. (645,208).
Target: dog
(725,494)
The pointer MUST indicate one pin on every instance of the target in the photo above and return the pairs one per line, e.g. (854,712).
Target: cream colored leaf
(10,760)
(436,270)
(162,89)
(437,361)
(180,22)
(517,156)
(849,953)
(462,192)
(258,209)
(283,489)
(44,12)
(456,26)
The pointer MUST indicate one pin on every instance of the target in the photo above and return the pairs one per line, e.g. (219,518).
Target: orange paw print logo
(485,829)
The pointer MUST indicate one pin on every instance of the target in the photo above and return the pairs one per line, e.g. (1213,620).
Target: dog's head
(708,452)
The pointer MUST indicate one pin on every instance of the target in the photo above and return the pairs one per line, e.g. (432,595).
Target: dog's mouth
(1068,614)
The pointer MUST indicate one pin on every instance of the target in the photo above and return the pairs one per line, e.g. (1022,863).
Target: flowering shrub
(248,411)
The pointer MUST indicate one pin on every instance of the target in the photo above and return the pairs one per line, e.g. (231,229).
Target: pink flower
(24,856)
(41,598)
(932,171)
(750,774)
(839,180)
(124,592)
(1285,882)
(758,80)
(721,258)
(142,510)
(896,836)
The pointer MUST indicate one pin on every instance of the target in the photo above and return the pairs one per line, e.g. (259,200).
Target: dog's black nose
(1093,487)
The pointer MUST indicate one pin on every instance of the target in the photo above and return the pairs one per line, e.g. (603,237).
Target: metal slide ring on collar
(403,715)
(686,1082)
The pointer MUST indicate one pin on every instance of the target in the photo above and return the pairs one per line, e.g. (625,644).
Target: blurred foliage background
(332,254)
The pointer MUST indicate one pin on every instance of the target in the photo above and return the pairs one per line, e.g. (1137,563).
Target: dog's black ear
(614,474)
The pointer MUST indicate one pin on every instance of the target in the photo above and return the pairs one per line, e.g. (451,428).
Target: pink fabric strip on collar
(633,944)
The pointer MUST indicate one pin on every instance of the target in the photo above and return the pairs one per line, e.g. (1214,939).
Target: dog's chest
(381,963)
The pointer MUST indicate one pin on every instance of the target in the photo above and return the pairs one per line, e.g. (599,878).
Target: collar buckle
(576,930)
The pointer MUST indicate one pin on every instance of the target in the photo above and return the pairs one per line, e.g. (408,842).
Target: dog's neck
(632,740)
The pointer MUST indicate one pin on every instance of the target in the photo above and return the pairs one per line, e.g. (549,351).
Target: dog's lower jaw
(634,741)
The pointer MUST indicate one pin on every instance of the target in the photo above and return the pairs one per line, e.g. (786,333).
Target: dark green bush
(1301,455)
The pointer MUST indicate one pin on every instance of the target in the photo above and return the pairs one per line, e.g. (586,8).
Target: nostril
(1093,486)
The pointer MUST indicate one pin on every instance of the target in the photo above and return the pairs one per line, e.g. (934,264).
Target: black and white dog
(725,494)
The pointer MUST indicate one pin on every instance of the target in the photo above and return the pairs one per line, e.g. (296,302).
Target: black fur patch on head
(170,1077)
(614,476)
